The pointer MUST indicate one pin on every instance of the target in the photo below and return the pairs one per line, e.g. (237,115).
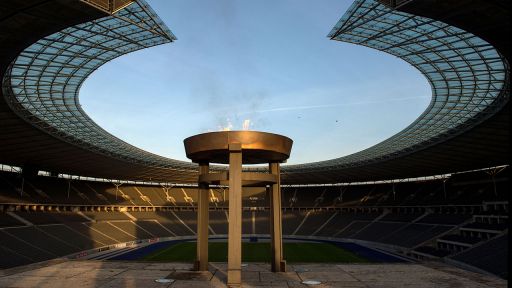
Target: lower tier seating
(491,256)
(33,236)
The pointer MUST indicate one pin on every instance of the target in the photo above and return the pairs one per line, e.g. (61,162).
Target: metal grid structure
(42,84)
(468,76)
(109,6)
(469,80)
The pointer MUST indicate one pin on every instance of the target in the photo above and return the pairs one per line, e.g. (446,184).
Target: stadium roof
(469,80)
(43,126)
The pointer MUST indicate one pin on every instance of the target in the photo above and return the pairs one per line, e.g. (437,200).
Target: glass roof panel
(462,69)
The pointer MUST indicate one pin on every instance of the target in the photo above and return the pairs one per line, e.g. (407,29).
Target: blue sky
(268,62)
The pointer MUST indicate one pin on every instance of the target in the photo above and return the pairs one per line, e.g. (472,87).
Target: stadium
(426,207)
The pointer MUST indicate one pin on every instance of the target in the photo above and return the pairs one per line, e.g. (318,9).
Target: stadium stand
(314,219)
(247,222)
(491,256)
(477,230)
(455,227)
(218,221)
(7,220)
(23,248)
(97,238)
(44,217)
(155,228)
(168,220)
(342,220)
(262,223)
(414,234)
(374,231)
(294,219)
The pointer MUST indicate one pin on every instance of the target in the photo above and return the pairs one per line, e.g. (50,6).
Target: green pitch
(258,252)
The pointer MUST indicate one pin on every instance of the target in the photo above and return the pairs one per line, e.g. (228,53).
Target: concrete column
(276,234)
(202,222)
(235,216)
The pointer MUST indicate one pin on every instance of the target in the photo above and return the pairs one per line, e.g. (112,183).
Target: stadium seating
(374,231)
(491,256)
(342,220)
(219,222)
(98,239)
(313,221)
(155,228)
(22,248)
(8,221)
(414,234)
(293,220)
(54,217)
(467,235)
(262,220)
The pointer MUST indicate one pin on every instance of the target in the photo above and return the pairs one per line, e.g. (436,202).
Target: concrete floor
(90,273)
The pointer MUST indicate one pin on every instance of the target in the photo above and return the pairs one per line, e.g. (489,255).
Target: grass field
(258,252)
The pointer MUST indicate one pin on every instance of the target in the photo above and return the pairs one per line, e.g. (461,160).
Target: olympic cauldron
(236,148)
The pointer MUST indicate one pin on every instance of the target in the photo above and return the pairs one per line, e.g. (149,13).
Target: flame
(246,125)
(228,127)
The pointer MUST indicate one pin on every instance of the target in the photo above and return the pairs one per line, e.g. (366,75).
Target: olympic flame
(246,125)
(227,127)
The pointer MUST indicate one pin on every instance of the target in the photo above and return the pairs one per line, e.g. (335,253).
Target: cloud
(323,106)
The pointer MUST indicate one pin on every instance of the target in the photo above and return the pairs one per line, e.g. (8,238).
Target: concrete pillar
(276,234)
(202,222)
(235,216)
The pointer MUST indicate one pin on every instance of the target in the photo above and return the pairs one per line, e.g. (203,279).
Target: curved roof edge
(468,76)
(48,48)
(463,128)
(42,84)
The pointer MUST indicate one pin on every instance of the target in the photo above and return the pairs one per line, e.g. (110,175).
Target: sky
(264,63)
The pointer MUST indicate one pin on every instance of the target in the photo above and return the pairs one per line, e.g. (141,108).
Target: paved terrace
(79,273)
